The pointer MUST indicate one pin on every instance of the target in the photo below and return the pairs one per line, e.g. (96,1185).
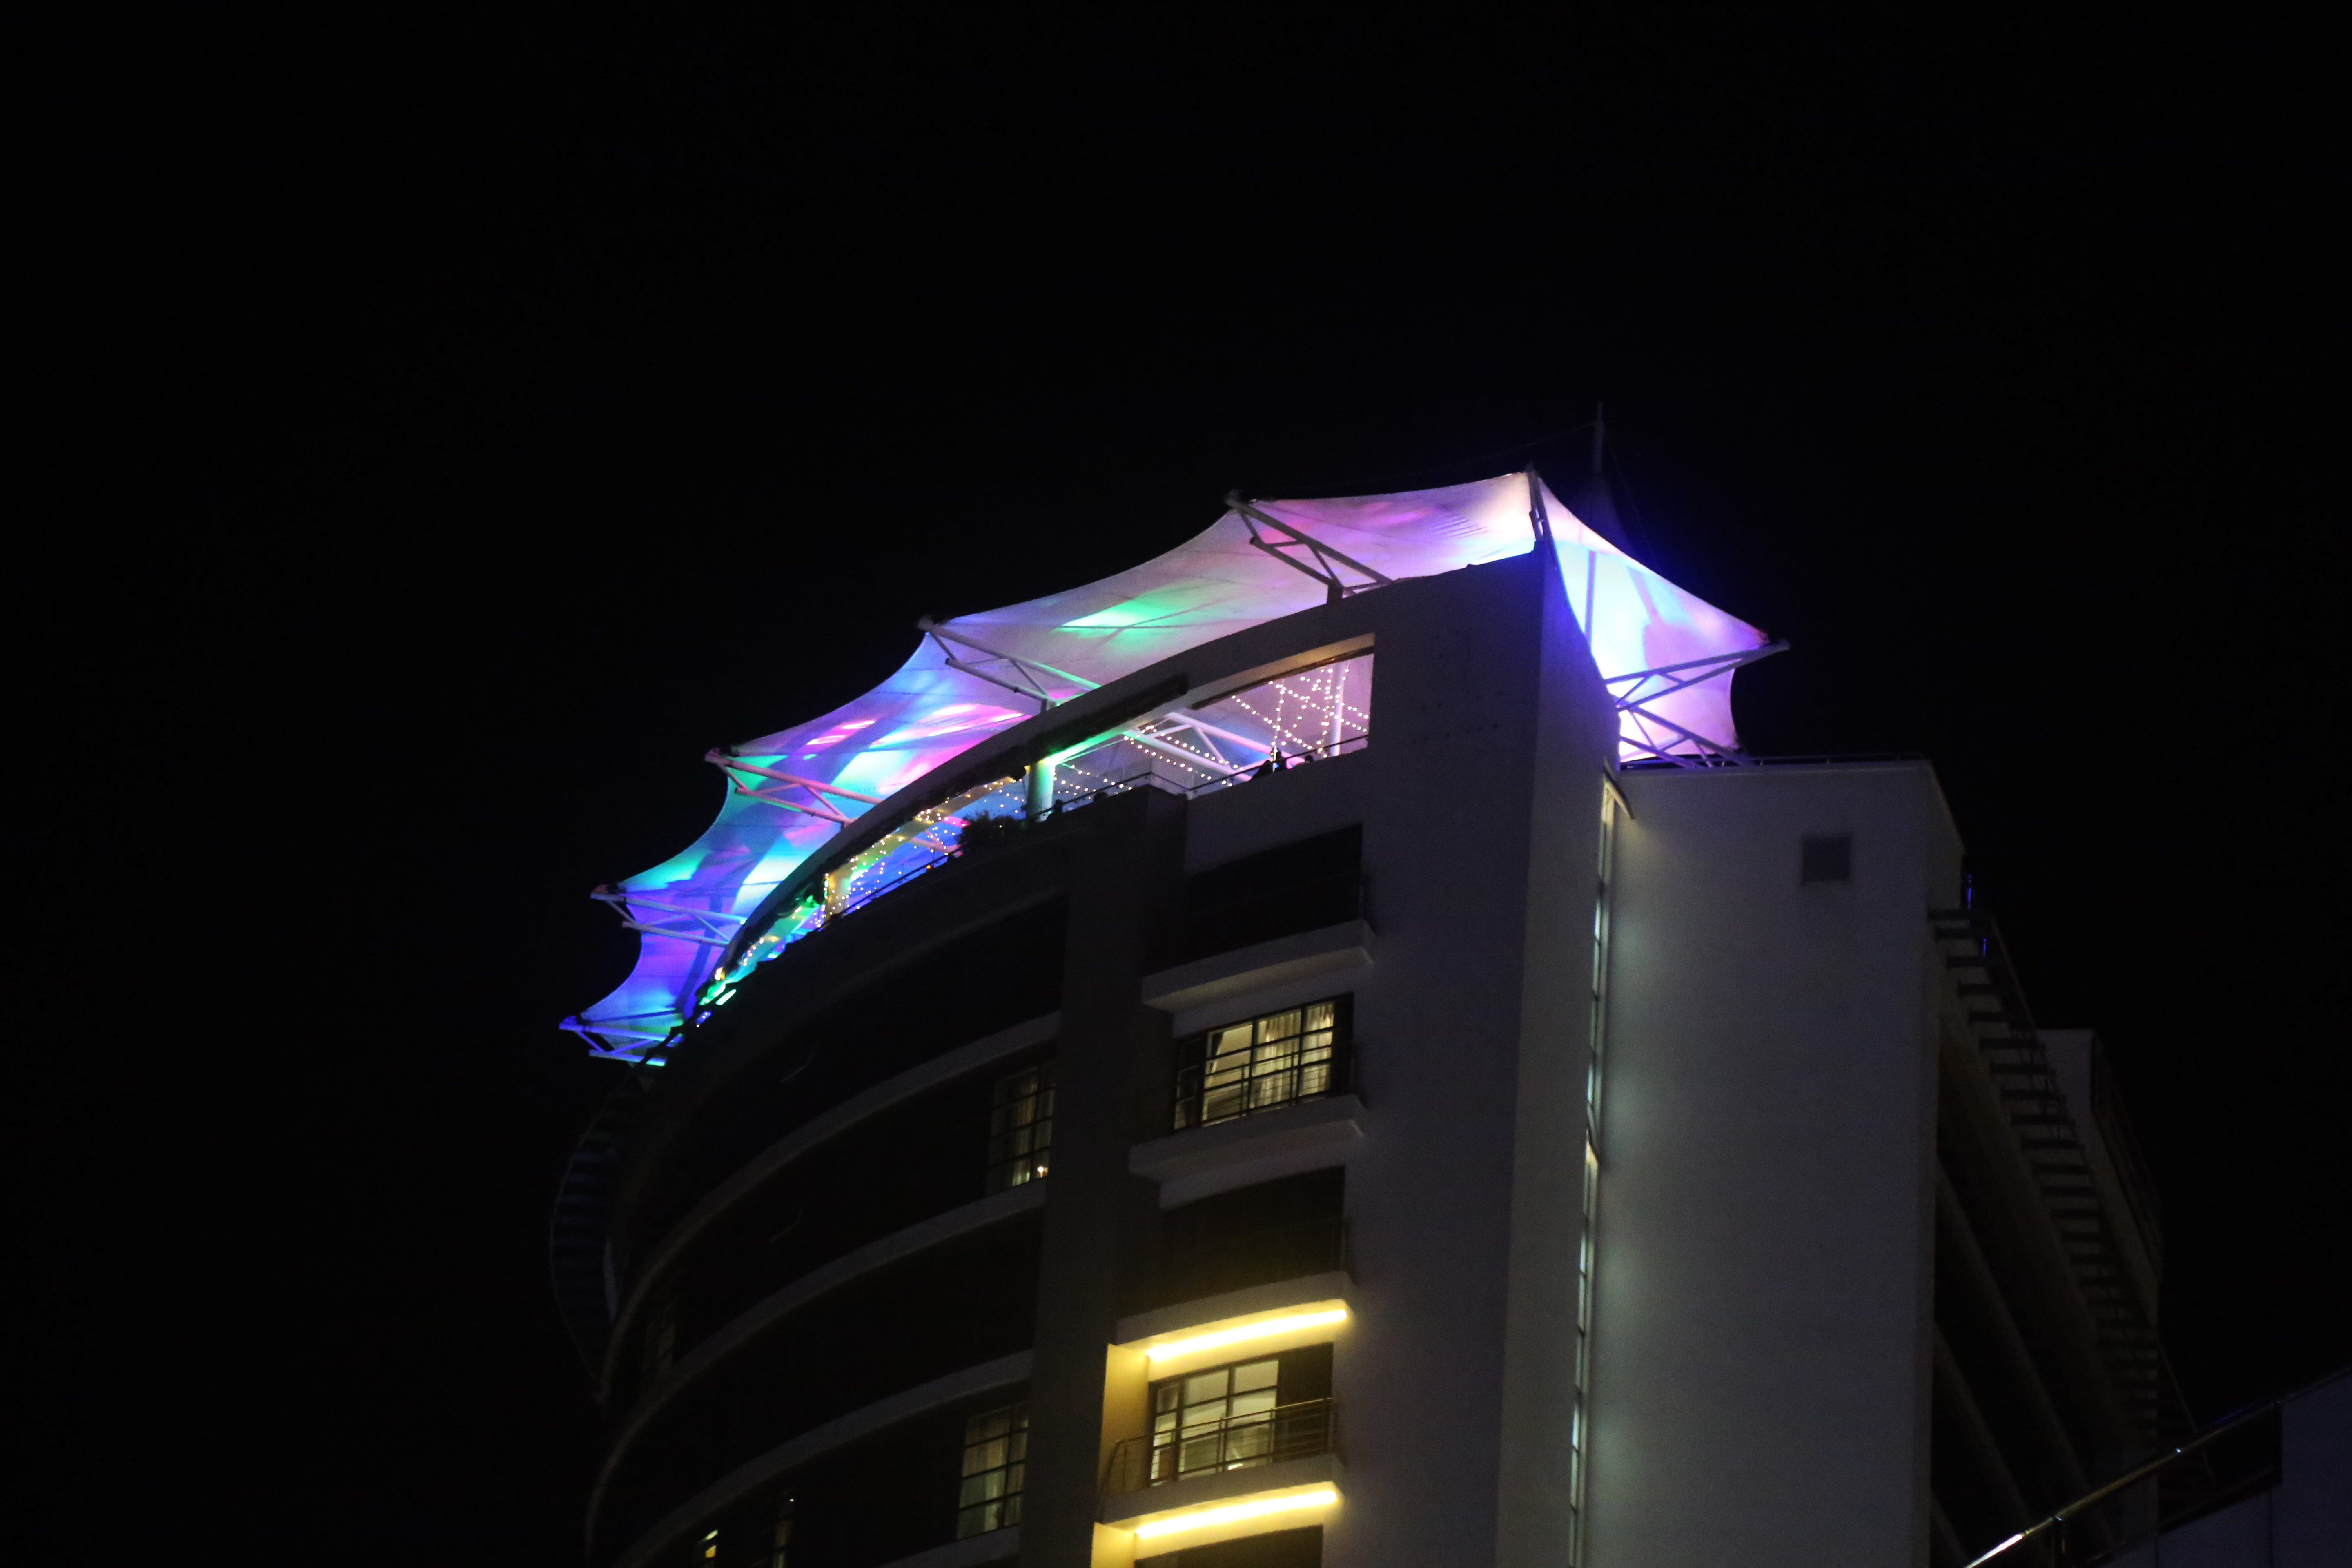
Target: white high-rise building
(1323,1049)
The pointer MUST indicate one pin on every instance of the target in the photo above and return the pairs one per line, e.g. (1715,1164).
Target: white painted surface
(1765,1288)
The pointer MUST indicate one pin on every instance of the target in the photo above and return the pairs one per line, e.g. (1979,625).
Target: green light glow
(1088,744)
(1130,613)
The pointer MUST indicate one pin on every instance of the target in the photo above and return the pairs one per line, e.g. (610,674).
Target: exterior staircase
(2052,1143)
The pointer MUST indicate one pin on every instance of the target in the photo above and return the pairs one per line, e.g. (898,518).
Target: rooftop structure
(1324,1050)
(1668,657)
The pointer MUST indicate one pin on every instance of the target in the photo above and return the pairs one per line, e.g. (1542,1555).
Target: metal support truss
(1538,518)
(628,1037)
(1025,671)
(686,923)
(1638,690)
(1218,765)
(1169,724)
(816,805)
(1326,563)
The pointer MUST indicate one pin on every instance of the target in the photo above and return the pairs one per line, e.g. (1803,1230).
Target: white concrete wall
(1764,1284)
(1765,1292)
(1479,797)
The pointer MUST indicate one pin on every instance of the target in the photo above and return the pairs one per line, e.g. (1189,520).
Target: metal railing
(2057,1522)
(803,916)
(1297,1431)
(1207,1093)
(1147,779)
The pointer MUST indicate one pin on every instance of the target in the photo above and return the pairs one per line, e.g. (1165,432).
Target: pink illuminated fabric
(1216,583)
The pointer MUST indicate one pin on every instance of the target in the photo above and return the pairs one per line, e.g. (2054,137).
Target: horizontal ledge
(1259,967)
(1294,1127)
(1126,1510)
(1258,1301)
(1002,1373)
(996,1546)
(765,1314)
(819,1130)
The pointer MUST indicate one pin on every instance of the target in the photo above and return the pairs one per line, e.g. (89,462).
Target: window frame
(1000,1509)
(1195,1065)
(1017,1155)
(1278,1424)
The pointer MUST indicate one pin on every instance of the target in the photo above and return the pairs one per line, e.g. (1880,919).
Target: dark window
(1826,859)
(1021,1128)
(990,980)
(1262,1063)
(1276,1230)
(888,1333)
(885,1497)
(1305,886)
(995,1455)
(889,1171)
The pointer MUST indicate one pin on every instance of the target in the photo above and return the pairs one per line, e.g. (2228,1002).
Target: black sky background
(468,426)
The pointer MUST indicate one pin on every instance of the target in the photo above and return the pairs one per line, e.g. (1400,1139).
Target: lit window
(1261,1064)
(995,1447)
(710,1546)
(1598,1034)
(1021,1128)
(1234,1417)
(1220,1420)
(1580,1421)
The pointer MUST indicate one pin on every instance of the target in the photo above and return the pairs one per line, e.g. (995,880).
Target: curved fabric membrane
(983,673)
(1287,721)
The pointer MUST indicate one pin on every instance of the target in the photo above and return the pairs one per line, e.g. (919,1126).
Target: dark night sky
(485,421)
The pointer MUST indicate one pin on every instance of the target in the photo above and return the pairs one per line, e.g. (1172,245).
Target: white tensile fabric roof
(1216,583)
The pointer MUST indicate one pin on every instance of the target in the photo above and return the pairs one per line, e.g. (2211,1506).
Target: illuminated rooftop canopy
(1667,657)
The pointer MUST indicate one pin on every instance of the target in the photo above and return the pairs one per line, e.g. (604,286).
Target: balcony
(1257,1440)
(1233,1395)
(1261,1255)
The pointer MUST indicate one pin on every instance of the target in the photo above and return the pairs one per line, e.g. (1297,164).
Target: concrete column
(1112,1060)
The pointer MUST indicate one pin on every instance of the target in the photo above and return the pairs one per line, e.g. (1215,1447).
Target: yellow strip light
(1257,1330)
(1239,1510)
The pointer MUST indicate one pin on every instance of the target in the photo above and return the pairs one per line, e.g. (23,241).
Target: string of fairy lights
(1327,698)
(1308,715)
(1323,703)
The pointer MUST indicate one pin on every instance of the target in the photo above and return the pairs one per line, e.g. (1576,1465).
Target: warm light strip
(1239,1510)
(1246,1331)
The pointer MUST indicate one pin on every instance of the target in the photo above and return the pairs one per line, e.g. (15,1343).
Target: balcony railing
(1247,1081)
(1297,1431)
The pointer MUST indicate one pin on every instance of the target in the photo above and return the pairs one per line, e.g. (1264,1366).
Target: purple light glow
(929,713)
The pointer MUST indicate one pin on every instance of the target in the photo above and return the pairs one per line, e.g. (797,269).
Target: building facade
(1378,1078)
